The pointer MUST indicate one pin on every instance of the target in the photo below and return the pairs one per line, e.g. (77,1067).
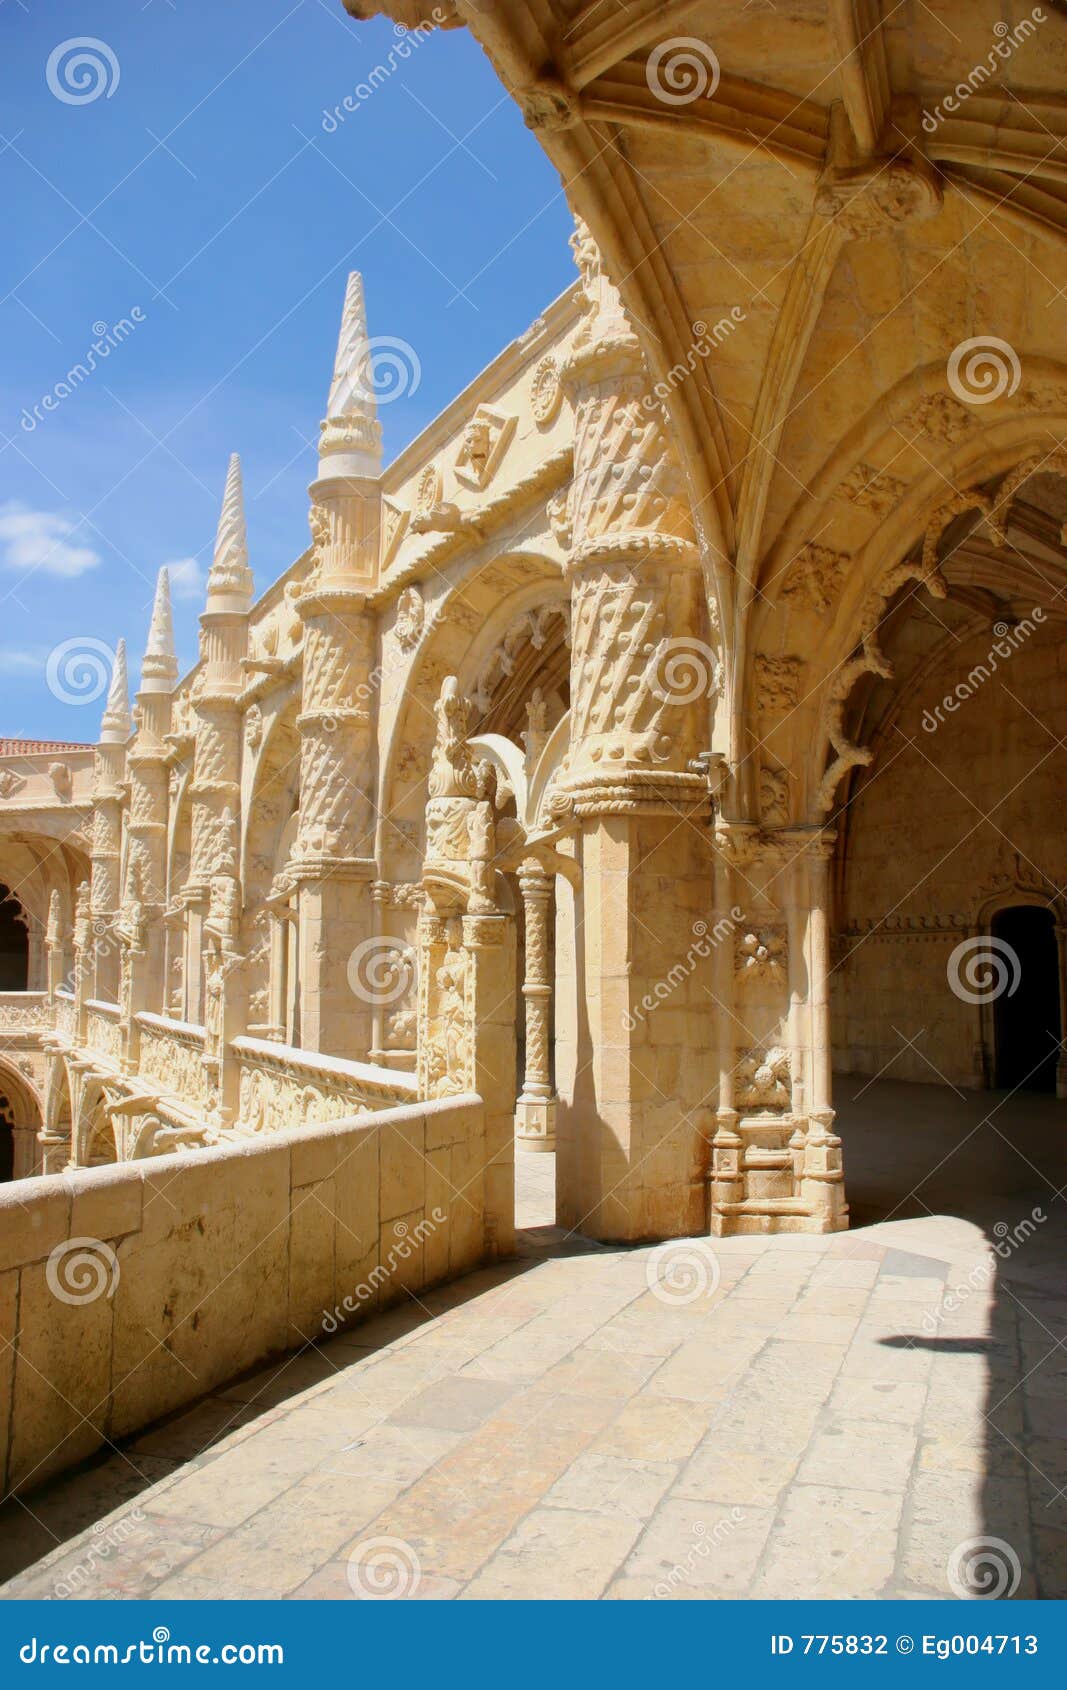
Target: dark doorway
(7,1139)
(1027,1020)
(14,945)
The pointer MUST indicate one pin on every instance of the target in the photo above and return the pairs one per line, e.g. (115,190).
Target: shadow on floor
(963,1191)
(996,1165)
(33,1525)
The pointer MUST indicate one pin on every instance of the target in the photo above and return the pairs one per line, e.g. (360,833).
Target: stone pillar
(634,1148)
(54,947)
(727,1149)
(149,786)
(215,788)
(225,999)
(333,859)
(109,773)
(82,963)
(535,1111)
(822,1183)
(466,1043)
(776,1162)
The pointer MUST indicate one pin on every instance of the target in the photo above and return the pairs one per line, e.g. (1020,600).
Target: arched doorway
(20,1125)
(14,944)
(7,1139)
(1026,1017)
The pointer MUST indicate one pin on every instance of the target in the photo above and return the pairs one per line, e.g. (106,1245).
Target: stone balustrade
(282,1086)
(22,1012)
(171,1053)
(129,1291)
(103,1029)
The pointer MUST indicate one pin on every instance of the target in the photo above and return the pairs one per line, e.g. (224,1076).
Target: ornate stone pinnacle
(230,575)
(351,426)
(117,724)
(159,670)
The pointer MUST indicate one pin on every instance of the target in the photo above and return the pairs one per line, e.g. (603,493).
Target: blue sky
(215,200)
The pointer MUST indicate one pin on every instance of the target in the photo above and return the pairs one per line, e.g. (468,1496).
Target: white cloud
(41,540)
(21,663)
(186,578)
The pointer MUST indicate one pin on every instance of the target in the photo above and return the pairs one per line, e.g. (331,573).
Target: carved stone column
(225,999)
(54,946)
(215,788)
(535,1111)
(109,773)
(633,1145)
(822,1183)
(776,1164)
(333,857)
(149,773)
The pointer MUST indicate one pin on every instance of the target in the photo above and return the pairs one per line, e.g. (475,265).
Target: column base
(535,1124)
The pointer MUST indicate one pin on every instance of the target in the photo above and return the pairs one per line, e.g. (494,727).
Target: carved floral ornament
(763,1079)
(546,391)
(760,953)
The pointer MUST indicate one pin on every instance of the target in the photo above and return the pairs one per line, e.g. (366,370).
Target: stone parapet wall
(129,1291)
(23,1012)
(281,1086)
(172,1053)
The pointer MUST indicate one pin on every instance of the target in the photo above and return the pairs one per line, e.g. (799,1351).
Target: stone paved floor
(779,1417)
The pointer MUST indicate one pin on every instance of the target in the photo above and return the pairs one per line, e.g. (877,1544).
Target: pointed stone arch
(21,1118)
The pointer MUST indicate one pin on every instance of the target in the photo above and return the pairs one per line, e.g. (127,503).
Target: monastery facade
(576,788)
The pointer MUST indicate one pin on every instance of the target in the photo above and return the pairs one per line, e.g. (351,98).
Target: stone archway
(21,1119)
(14,944)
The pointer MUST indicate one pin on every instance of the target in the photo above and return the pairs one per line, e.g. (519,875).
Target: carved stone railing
(172,1054)
(64,1025)
(281,1086)
(24,1012)
(103,1029)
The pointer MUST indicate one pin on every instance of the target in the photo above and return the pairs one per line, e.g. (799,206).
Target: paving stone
(457,1405)
(554,1429)
(859,1455)
(710,1545)
(598,1483)
(556,1553)
(830,1542)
